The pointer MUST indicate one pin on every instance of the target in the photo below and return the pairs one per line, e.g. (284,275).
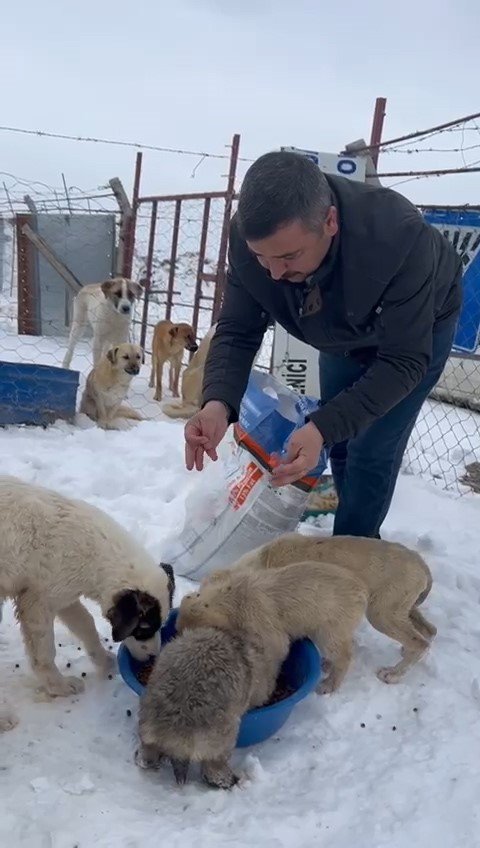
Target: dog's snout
(125,308)
(133,369)
(193,347)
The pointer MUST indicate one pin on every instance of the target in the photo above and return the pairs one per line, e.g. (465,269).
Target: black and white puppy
(136,610)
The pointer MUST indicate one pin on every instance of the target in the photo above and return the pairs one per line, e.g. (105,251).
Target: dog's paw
(64,686)
(8,720)
(144,761)
(326,686)
(389,675)
(223,778)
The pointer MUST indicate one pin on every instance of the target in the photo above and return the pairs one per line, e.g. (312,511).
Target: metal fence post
(148,274)
(222,254)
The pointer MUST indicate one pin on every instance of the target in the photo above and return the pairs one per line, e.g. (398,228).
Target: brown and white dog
(192,382)
(108,383)
(56,550)
(170,341)
(107,307)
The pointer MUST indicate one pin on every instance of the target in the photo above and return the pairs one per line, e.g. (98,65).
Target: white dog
(107,307)
(53,550)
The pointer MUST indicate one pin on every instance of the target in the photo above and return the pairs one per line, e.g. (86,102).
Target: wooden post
(126,214)
(377,128)
(49,254)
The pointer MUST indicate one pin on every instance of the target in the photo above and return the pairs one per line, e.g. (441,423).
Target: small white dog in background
(53,551)
(107,307)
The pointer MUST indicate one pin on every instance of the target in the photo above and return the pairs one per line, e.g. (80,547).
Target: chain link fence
(81,230)
(445,444)
(179,252)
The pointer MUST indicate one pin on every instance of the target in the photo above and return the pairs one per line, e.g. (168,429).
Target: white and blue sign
(462,228)
(351,167)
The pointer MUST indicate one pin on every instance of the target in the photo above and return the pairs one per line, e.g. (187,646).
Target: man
(354,271)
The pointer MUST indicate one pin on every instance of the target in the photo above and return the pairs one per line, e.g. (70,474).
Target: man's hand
(303,454)
(203,434)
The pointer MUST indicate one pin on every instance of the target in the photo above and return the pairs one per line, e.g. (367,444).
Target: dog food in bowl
(282,690)
(299,675)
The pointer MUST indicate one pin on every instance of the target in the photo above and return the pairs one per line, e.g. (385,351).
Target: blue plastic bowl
(302,670)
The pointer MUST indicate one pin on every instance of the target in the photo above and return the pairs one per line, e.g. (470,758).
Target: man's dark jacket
(388,278)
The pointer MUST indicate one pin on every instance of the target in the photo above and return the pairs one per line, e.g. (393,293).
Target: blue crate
(36,394)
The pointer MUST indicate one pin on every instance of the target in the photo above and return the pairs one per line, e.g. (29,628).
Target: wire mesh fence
(445,445)
(180,258)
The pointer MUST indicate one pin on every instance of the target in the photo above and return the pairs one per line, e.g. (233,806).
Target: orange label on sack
(242,489)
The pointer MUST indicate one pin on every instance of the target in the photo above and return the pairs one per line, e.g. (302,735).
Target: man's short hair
(279,188)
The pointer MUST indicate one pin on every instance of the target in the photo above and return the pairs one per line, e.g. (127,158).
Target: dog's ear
(106,287)
(173,331)
(112,355)
(171,580)
(134,612)
(136,289)
(124,615)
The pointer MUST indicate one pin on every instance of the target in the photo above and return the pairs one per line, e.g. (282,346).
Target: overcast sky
(190,73)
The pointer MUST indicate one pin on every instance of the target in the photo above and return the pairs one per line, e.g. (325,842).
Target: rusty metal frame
(130,233)
(28,311)
(148,274)
(201,262)
(217,278)
(222,254)
(173,257)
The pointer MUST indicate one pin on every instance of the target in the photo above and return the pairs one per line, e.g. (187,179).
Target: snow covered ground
(371,766)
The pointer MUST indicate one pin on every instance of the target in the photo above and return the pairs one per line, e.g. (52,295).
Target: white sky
(190,73)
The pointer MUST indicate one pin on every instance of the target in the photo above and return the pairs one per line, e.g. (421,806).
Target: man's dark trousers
(365,469)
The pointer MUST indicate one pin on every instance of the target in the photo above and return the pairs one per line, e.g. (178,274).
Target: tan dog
(192,382)
(170,341)
(389,583)
(108,383)
(108,308)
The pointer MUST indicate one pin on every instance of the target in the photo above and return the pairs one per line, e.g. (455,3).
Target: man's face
(294,252)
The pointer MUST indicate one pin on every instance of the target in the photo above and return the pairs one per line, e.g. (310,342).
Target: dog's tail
(428,579)
(180,410)
(424,595)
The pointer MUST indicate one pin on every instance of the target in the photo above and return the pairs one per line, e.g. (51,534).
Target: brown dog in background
(108,383)
(170,341)
(192,382)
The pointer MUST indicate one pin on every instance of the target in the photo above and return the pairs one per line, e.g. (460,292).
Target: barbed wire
(131,144)
(447,438)
(56,197)
(411,150)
